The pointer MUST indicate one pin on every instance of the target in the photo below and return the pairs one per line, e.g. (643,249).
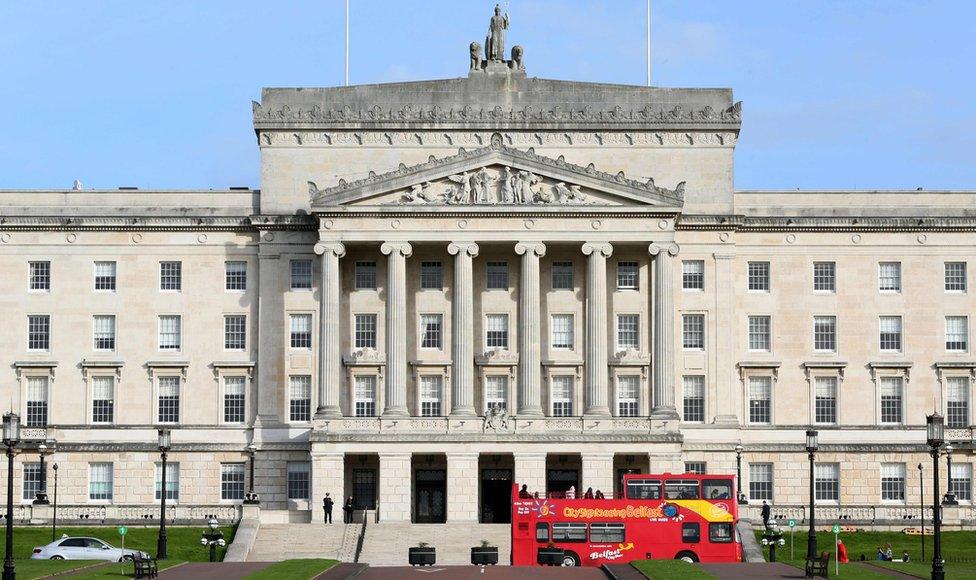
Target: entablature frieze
(824,224)
(554,137)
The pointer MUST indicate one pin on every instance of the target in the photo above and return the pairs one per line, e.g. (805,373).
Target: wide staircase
(277,542)
(386,544)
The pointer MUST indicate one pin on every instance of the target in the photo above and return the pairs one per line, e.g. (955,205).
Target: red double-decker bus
(662,516)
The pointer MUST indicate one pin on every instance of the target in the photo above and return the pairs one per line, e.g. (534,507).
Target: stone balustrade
(509,426)
(125,514)
(887,516)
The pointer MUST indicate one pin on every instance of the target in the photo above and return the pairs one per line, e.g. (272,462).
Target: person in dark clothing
(327,508)
(599,495)
(524,492)
(766,511)
(588,494)
(347,511)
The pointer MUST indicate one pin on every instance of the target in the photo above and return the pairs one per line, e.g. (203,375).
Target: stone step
(277,542)
(386,544)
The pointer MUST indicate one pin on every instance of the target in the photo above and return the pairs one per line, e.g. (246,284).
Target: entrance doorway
(430,496)
(496,496)
(560,480)
(364,489)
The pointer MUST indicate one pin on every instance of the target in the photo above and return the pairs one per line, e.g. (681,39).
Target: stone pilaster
(530,338)
(395,478)
(462,334)
(396,327)
(328,476)
(597,390)
(726,398)
(664,335)
(597,473)
(270,387)
(462,487)
(330,355)
(530,470)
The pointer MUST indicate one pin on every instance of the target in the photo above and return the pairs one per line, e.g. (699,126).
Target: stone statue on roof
(495,42)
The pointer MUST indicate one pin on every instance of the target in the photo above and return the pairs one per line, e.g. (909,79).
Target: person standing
(766,511)
(327,504)
(347,511)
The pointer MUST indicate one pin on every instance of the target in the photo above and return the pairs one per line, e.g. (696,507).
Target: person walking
(347,511)
(327,504)
(766,511)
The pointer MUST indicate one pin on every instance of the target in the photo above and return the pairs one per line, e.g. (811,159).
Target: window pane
(301,330)
(234,399)
(431,276)
(40,276)
(301,274)
(890,333)
(626,275)
(825,333)
(562,275)
(37,401)
(497,275)
(32,480)
(760,395)
(170,275)
(100,481)
(170,332)
(104,332)
(172,481)
(365,331)
(761,481)
(103,399)
(431,391)
(364,396)
(299,479)
(825,400)
(562,331)
(891,399)
(826,481)
(496,392)
(300,398)
(628,389)
(169,400)
(955,276)
(693,331)
(759,333)
(893,482)
(430,330)
(759,276)
(961,481)
(824,279)
(694,399)
(105,276)
(235,275)
(496,331)
(889,276)
(628,331)
(699,467)
(562,396)
(235,335)
(365,275)
(957,333)
(231,481)
(38,332)
(693,275)
(957,402)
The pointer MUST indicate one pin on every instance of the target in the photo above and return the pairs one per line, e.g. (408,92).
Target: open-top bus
(661,516)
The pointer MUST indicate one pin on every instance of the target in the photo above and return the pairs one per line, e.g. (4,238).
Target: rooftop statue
(495,42)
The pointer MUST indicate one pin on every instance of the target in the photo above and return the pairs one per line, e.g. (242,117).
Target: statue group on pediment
(482,187)
(495,46)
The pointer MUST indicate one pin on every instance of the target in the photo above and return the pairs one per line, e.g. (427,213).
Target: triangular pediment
(496,175)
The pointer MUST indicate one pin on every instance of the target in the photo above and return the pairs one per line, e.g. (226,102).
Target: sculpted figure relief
(475,56)
(492,186)
(495,42)
(518,53)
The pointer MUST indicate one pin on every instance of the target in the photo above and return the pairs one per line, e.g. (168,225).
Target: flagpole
(347,42)
(648,42)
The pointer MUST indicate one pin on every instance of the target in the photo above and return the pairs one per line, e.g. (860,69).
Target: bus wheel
(570,559)
(689,557)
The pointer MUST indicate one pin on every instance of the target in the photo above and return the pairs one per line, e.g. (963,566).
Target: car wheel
(570,559)
(126,558)
(689,557)
(57,557)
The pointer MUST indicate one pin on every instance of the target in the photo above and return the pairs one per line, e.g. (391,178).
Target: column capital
(656,248)
(470,248)
(403,248)
(537,248)
(602,247)
(336,248)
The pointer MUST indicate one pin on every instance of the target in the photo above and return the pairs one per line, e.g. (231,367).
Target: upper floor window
(496,392)
(497,275)
(693,331)
(171,276)
(37,396)
(301,274)
(693,275)
(957,402)
(759,333)
(628,393)
(170,332)
(825,333)
(235,332)
(957,333)
(562,331)
(301,330)
(235,276)
(693,404)
(365,331)
(431,328)
(628,331)
(825,400)
(105,276)
(758,276)
(169,400)
(955,276)
(562,396)
(893,482)
(234,392)
(562,275)
(892,399)
(890,333)
(626,275)
(38,332)
(365,275)
(760,400)
(364,396)
(103,399)
(104,332)
(889,276)
(431,276)
(300,398)
(496,333)
(40,276)
(824,277)
(696,467)
(431,394)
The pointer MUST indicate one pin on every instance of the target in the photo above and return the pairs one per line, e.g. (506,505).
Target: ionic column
(596,328)
(462,334)
(663,329)
(396,327)
(530,338)
(330,355)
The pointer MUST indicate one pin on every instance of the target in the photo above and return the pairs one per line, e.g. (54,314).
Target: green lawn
(924,569)
(29,569)
(293,569)
(668,569)
(954,544)
(115,570)
(183,542)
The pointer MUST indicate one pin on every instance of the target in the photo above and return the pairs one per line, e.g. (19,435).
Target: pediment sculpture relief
(494,186)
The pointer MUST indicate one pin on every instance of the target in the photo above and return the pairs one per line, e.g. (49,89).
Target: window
(562,331)
(37,395)
(235,332)
(957,402)
(365,275)
(825,400)
(628,389)
(301,330)
(893,482)
(104,332)
(562,275)
(960,481)
(693,331)
(38,332)
(759,333)
(759,276)
(889,276)
(105,276)
(643,489)
(694,399)
(542,532)
(606,533)
(365,331)
(169,400)
(626,275)
(826,482)
(172,481)
(693,275)
(40,276)
(698,467)
(496,392)
(497,277)
(720,533)
(299,473)
(690,532)
(103,399)
(562,396)
(171,276)
(760,395)
(824,277)
(681,489)
(955,276)
(32,480)
(301,274)
(364,396)
(825,333)
(231,481)
(496,335)
(431,276)
(100,481)
(170,332)
(430,330)
(235,276)
(890,333)
(568,532)
(234,399)
(300,398)
(761,481)
(891,399)
(957,333)
(628,331)
(431,392)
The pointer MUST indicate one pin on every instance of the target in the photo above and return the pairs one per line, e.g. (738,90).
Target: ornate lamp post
(935,435)
(164,445)
(11,437)
(950,496)
(921,504)
(772,537)
(738,475)
(213,538)
(251,498)
(54,526)
(812,535)
(40,498)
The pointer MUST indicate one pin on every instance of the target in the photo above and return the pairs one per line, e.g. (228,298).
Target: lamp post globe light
(40,497)
(251,498)
(11,437)
(772,537)
(811,446)
(935,437)
(950,496)
(213,538)
(164,446)
(738,475)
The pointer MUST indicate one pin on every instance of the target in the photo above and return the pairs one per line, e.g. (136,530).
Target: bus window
(568,532)
(681,489)
(720,533)
(643,489)
(717,489)
(542,532)
(606,533)
(690,532)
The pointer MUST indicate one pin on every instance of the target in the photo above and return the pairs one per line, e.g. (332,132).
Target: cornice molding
(883,224)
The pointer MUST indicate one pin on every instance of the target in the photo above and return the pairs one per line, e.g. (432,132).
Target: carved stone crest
(496,419)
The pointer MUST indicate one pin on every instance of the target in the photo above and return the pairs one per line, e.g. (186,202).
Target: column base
(597,412)
(395,412)
(267,421)
(466,412)
(330,412)
(532,412)
(665,413)
(726,420)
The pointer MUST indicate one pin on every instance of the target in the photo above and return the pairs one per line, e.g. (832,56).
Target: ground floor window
(761,481)
(299,479)
(961,481)
(100,479)
(32,480)
(231,481)
(172,481)
(826,482)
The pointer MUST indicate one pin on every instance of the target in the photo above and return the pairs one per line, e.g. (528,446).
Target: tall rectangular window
(431,276)
(301,274)
(957,333)
(693,331)
(299,479)
(761,481)
(961,481)
(364,396)
(955,277)
(235,276)
(365,275)
(300,398)
(825,333)
(100,480)
(169,400)
(32,480)
(235,332)
(825,400)
(431,331)
(562,331)
(103,399)
(562,275)
(694,399)
(758,276)
(824,277)
(37,397)
(301,330)
(626,275)
(693,275)
(38,332)
(628,390)
(105,276)
(562,396)
(760,400)
(957,402)
(234,389)
(40,276)
(231,481)
(497,275)
(628,331)
(826,482)
(170,332)
(890,333)
(431,395)
(171,276)
(496,333)
(104,332)
(496,392)
(759,333)
(365,331)
(172,481)
(889,276)
(891,400)
(893,482)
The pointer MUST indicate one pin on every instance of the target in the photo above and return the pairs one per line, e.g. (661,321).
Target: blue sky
(837,93)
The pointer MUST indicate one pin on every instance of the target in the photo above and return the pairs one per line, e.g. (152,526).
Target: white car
(83,549)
